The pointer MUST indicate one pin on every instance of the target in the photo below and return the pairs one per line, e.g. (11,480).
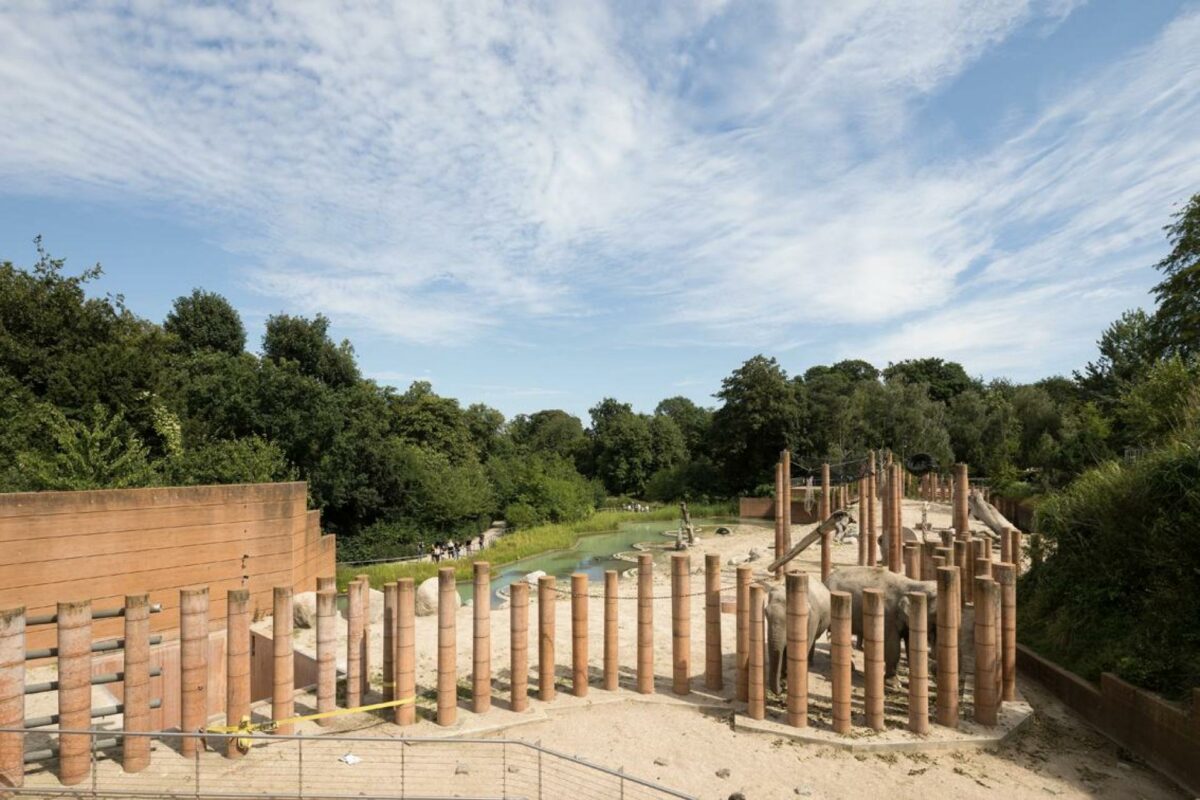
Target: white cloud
(436,170)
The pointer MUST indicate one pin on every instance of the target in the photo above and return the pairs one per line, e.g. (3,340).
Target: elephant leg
(776,658)
(891,651)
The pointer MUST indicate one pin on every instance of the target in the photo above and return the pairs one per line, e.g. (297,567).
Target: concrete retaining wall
(1165,735)
(764,508)
(102,545)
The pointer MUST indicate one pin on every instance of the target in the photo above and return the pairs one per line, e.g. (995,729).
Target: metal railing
(332,767)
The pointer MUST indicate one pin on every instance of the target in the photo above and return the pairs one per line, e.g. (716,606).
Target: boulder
(427,597)
(753,555)
(532,577)
(304,610)
(375,606)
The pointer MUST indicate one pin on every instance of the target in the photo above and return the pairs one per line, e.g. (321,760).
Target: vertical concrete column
(237,663)
(713,679)
(326,653)
(873,666)
(546,598)
(645,624)
(961,489)
(896,554)
(912,560)
(870,512)
(969,571)
(406,650)
(519,645)
(365,649)
(985,651)
(12,696)
(74,689)
(135,750)
(826,555)
(354,644)
(983,567)
(948,611)
(928,549)
(787,502)
(193,666)
(681,623)
(779,500)
(1005,542)
(918,662)
(390,597)
(756,707)
(481,653)
(283,692)
(328,582)
(1006,576)
(742,655)
(579,634)
(983,548)
(447,663)
(862,522)
(1014,546)
(885,514)
(611,648)
(824,509)
(797,649)
(840,659)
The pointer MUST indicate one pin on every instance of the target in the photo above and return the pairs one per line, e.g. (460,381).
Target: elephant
(776,615)
(895,605)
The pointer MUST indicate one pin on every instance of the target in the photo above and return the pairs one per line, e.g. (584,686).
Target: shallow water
(593,554)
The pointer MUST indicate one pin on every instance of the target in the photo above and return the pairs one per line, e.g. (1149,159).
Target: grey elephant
(895,605)
(776,613)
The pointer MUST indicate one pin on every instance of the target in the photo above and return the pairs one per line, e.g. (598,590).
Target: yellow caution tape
(246,726)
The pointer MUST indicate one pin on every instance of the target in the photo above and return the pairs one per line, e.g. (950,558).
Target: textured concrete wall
(1166,735)
(103,545)
(764,508)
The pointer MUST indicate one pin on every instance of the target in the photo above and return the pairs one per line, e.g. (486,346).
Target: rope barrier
(246,726)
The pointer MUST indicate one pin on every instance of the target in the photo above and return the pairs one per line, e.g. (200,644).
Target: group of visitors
(452,549)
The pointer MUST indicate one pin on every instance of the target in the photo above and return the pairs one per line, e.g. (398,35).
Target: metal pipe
(100,711)
(108,613)
(97,680)
(98,647)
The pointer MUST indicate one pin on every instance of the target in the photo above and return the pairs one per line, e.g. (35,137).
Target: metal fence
(361,767)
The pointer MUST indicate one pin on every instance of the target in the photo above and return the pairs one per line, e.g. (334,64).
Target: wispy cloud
(433,171)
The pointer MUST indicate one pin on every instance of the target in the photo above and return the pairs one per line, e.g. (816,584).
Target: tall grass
(523,544)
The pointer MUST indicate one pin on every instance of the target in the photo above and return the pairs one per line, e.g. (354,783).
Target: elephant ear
(902,608)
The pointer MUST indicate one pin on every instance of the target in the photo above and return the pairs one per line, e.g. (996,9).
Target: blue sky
(536,205)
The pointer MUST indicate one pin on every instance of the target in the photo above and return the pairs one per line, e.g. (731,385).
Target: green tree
(1177,319)
(436,423)
(1127,349)
(1164,403)
(622,447)
(248,460)
(206,321)
(945,379)
(758,418)
(693,421)
(101,452)
(550,431)
(306,342)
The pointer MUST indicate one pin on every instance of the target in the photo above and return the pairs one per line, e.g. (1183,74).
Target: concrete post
(840,659)
(961,489)
(1005,542)
(681,623)
(787,502)
(74,690)
(983,567)
(885,515)
(948,610)
(546,638)
(872,491)
(742,655)
(447,663)
(406,650)
(896,554)
(797,649)
(481,652)
(327,582)
(912,560)
(579,634)
(779,500)
(12,696)
(824,506)
(713,678)
(985,651)
(918,663)
(826,555)
(193,667)
(756,707)
(611,649)
(645,624)
(326,653)
(1014,547)
(390,598)
(1006,577)
(135,750)
(283,692)
(873,666)
(969,571)
(237,663)
(928,549)
(519,645)
(365,670)
(354,644)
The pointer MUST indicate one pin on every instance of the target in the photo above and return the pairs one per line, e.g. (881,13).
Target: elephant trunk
(776,663)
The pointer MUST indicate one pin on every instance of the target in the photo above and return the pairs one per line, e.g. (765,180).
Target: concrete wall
(1165,735)
(764,508)
(103,545)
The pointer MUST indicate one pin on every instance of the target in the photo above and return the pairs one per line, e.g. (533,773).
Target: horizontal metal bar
(61,791)
(102,711)
(97,647)
(97,680)
(52,751)
(104,613)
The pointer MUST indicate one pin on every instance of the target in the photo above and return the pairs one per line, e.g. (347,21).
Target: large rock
(304,610)
(375,605)
(532,577)
(427,597)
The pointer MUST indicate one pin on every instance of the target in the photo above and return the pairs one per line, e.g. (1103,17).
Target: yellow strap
(270,725)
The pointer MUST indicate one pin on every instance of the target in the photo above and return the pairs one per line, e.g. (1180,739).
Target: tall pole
(193,667)
(237,663)
(645,624)
(681,624)
(406,650)
(797,649)
(519,645)
(713,679)
(481,652)
(447,662)
(135,750)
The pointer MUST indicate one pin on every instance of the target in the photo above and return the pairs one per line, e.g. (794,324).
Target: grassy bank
(523,544)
